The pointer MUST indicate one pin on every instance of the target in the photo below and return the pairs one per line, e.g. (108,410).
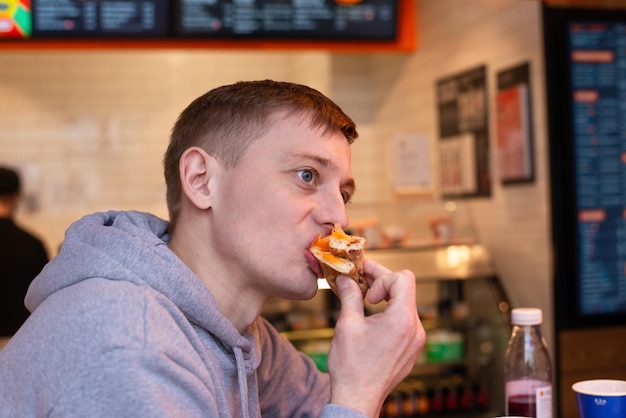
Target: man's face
(290,186)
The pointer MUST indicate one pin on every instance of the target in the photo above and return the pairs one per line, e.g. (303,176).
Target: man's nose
(332,210)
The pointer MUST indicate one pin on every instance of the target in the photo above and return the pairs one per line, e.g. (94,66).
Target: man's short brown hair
(224,120)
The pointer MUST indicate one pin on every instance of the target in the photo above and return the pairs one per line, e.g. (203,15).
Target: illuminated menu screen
(598,82)
(281,19)
(100,18)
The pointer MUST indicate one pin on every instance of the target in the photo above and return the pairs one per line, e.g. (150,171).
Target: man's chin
(304,293)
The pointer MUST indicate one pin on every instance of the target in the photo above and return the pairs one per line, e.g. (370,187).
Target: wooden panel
(598,353)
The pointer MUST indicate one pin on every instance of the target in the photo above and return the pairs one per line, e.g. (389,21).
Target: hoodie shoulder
(126,246)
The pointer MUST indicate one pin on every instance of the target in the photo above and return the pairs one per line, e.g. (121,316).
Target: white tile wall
(89,127)
(456,35)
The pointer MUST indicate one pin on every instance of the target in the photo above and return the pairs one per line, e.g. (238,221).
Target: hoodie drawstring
(243,381)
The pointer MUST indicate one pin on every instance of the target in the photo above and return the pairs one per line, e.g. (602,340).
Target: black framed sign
(464,134)
(514,127)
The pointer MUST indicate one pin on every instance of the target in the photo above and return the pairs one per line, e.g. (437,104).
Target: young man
(22,256)
(140,317)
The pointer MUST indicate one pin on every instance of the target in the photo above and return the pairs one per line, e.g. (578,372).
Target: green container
(320,360)
(444,347)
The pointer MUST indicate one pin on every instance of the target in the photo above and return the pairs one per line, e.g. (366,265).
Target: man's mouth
(314,264)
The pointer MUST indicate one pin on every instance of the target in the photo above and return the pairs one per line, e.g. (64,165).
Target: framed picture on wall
(514,128)
(464,134)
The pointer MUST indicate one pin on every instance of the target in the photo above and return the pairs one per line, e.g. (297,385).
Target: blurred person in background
(22,256)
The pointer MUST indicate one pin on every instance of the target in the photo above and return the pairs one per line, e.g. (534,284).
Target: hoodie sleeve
(290,385)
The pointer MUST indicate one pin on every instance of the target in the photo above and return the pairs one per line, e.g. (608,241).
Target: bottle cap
(526,316)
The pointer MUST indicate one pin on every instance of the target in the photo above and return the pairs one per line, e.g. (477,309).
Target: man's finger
(350,296)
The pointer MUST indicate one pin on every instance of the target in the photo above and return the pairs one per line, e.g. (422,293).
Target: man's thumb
(349,294)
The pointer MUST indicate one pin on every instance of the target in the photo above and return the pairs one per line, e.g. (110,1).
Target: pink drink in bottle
(527,367)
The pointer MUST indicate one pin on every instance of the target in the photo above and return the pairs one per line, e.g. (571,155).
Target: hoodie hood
(132,247)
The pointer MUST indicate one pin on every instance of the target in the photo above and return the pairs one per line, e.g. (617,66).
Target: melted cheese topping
(323,243)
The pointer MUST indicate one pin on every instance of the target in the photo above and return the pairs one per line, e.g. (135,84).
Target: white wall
(89,127)
(399,92)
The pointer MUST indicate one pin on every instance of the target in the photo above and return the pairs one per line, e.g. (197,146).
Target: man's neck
(234,303)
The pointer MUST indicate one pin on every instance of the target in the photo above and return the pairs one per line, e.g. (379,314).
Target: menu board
(360,21)
(280,19)
(99,18)
(598,86)
(585,63)
(464,134)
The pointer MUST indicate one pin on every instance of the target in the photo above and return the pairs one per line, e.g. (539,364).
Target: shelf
(449,262)
(309,334)
(432,369)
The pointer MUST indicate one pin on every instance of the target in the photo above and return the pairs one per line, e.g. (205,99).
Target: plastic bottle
(527,367)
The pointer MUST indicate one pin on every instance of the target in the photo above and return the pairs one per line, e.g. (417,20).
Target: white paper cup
(601,398)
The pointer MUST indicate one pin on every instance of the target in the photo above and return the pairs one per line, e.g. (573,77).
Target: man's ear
(196,168)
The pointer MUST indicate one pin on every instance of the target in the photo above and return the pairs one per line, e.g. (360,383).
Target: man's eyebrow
(325,162)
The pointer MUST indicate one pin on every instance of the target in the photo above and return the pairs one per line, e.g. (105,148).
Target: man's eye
(346,196)
(307,175)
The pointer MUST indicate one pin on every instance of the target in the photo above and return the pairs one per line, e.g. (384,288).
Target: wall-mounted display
(377,22)
(464,134)
(586,79)
(514,129)
(279,19)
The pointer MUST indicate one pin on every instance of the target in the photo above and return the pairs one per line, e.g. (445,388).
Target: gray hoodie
(120,327)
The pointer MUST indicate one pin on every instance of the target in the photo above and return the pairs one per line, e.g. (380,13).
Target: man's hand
(369,356)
